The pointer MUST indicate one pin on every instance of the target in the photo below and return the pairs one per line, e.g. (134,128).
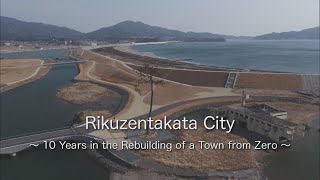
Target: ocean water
(300,56)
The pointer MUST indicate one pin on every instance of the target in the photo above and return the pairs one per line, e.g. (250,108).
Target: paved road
(34,138)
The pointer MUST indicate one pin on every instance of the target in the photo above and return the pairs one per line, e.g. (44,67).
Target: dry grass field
(84,92)
(17,69)
(298,113)
(201,159)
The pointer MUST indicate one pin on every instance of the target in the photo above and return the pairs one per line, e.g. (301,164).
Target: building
(262,119)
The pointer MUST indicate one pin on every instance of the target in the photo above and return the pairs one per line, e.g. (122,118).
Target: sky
(230,17)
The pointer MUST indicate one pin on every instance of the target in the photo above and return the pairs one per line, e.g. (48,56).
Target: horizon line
(157,26)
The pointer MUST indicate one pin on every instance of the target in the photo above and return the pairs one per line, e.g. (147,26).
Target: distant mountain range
(312,33)
(13,29)
(138,30)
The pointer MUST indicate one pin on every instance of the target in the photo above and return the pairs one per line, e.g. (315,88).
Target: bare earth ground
(201,159)
(269,81)
(110,70)
(16,69)
(194,77)
(18,72)
(266,92)
(84,92)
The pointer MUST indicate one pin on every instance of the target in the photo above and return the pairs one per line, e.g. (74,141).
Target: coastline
(129,49)
(161,62)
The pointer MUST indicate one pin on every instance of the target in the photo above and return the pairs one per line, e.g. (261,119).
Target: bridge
(64,62)
(13,145)
(16,144)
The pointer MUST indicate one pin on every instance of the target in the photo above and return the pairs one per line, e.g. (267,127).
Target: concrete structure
(232,77)
(278,130)
(65,62)
(311,84)
(17,144)
(265,108)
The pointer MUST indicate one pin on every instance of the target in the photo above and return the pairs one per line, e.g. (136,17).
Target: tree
(147,74)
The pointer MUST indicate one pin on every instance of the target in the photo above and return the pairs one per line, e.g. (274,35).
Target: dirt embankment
(193,77)
(207,76)
(131,58)
(18,72)
(266,92)
(84,92)
(17,69)
(110,70)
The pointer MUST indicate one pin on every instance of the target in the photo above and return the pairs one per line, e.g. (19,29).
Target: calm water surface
(35,107)
(301,56)
(301,161)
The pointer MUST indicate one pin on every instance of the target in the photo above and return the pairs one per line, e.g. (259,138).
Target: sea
(298,56)
(301,161)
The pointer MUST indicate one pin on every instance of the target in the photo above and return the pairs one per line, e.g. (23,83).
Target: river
(35,107)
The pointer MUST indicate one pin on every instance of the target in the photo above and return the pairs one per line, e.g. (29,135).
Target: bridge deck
(65,62)
(14,145)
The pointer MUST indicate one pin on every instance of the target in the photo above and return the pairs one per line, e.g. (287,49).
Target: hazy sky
(233,17)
